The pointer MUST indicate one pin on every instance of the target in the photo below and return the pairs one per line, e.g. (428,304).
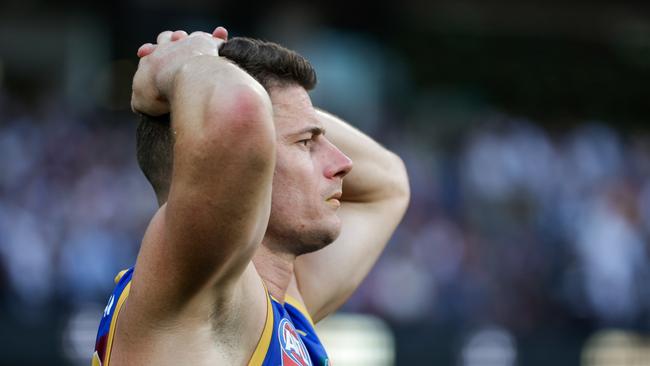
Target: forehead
(292,109)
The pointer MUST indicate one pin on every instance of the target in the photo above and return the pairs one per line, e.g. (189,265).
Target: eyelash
(308,142)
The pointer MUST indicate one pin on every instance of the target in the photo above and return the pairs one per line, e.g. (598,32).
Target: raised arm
(201,241)
(375,197)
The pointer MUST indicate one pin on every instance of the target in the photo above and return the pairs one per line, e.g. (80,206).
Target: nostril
(345,168)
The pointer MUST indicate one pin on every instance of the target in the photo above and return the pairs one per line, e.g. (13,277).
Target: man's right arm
(201,241)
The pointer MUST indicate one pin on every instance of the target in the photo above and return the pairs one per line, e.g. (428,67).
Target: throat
(276,270)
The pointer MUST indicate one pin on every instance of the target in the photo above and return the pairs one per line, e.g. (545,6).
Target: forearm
(378,174)
(223,162)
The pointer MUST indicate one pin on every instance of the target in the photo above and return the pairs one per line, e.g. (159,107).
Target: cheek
(286,184)
(282,189)
(295,169)
(296,187)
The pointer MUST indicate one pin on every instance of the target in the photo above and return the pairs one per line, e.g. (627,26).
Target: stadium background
(524,126)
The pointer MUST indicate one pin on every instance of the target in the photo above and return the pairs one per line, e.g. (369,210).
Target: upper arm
(218,206)
(366,228)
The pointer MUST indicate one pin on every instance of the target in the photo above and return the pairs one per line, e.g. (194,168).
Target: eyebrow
(315,130)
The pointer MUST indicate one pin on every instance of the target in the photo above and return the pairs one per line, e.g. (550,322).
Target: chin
(316,239)
(304,237)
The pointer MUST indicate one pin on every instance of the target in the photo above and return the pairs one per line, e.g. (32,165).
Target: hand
(159,63)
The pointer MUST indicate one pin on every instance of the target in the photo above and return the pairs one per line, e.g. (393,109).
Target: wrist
(198,70)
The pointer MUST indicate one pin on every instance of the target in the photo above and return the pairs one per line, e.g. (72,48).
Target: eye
(305,142)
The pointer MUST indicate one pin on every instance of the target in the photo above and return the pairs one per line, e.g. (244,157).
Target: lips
(337,196)
(335,199)
(334,203)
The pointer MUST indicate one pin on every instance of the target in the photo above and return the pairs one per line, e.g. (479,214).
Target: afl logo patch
(294,352)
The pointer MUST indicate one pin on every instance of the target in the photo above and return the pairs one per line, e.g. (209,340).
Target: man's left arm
(375,197)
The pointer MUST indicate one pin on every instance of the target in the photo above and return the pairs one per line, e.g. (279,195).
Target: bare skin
(211,251)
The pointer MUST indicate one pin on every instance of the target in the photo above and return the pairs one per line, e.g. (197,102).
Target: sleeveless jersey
(288,338)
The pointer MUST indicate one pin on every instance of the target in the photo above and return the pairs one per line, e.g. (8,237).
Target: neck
(276,269)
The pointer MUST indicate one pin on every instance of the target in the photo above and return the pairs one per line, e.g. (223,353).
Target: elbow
(241,120)
(251,114)
(247,106)
(400,187)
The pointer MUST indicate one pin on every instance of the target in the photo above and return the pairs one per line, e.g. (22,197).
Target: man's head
(309,169)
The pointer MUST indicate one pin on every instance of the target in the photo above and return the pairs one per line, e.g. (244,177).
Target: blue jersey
(288,338)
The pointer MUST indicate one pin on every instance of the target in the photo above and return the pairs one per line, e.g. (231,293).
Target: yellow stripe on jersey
(298,305)
(265,340)
(116,313)
(96,360)
(119,276)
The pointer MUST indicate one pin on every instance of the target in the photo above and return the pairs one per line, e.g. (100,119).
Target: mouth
(335,199)
(334,202)
(336,196)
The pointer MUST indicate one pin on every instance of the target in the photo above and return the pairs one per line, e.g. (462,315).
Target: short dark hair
(269,63)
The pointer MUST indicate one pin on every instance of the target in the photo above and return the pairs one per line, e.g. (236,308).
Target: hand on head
(159,63)
(147,48)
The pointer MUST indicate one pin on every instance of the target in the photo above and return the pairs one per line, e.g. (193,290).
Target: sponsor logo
(294,352)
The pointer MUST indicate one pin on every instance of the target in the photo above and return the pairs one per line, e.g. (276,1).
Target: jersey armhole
(116,314)
(257,359)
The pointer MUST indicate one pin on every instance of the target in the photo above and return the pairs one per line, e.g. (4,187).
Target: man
(258,235)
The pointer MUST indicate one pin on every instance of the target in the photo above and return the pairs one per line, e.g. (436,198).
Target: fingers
(220,32)
(199,33)
(169,36)
(164,37)
(179,34)
(146,49)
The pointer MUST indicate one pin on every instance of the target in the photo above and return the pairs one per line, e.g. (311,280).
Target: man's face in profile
(308,175)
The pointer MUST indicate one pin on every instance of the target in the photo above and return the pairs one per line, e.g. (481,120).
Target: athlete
(263,228)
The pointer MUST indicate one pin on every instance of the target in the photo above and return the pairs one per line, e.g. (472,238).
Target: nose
(340,164)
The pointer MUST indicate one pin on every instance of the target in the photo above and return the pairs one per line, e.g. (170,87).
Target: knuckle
(199,34)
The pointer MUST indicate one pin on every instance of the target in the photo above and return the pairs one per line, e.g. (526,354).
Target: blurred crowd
(73,206)
(522,227)
(511,223)
(517,226)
